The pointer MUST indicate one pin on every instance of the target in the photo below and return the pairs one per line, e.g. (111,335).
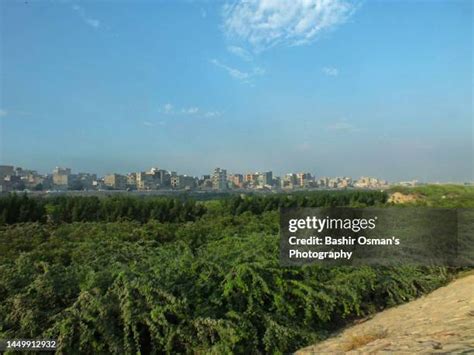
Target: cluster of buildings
(61,179)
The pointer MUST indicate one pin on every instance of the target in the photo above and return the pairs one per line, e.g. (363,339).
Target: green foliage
(173,276)
(67,209)
(259,204)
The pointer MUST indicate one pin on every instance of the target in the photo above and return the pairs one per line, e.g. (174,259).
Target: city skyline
(336,87)
(230,172)
(65,179)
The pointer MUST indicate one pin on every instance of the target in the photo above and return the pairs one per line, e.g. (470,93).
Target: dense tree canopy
(135,275)
(21,208)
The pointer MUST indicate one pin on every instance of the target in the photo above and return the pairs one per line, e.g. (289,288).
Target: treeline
(259,204)
(67,209)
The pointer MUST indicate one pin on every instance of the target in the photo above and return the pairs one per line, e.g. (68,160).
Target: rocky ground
(441,322)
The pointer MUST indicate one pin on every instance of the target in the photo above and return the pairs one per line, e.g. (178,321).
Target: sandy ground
(441,322)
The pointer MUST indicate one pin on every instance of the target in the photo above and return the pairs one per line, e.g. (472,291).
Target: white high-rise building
(219,179)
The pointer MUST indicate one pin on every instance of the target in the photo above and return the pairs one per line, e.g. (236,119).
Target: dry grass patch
(357,341)
(398,197)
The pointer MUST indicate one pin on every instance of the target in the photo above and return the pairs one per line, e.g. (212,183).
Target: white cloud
(233,72)
(330,71)
(88,20)
(148,123)
(3,113)
(169,109)
(190,110)
(212,114)
(237,73)
(92,22)
(240,52)
(266,23)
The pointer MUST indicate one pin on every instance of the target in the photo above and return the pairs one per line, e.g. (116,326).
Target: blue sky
(333,87)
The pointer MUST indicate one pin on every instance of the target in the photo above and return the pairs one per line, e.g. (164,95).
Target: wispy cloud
(266,23)
(148,123)
(342,126)
(87,19)
(190,110)
(169,109)
(330,71)
(233,72)
(3,113)
(240,52)
(238,74)
(211,114)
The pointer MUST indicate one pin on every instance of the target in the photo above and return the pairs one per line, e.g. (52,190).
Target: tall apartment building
(161,177)
(116,181)
(265,179)
(251,178)
(61,177)
(289,181)
(132,180)
(62,171)
(237,180)
(144,181)
(219,179)
(304,179)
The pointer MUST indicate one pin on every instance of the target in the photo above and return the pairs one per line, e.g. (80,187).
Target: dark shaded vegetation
(199,277)
(66,209)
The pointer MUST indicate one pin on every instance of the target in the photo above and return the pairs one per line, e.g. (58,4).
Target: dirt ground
(441,322)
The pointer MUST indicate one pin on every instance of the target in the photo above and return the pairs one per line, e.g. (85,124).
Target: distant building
(116,181)
(251,178)
(323,182)
(205,182)
(132,180)
(304,179)
(370,182)
(161,177)
(265,179)
(219,179)
(145,181)
(86,180)
(237,180)
(61,177)
(6,170)
(182,182)
(62,171)
(289,181)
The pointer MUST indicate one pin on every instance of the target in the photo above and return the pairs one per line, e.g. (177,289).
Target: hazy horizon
(341,88)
